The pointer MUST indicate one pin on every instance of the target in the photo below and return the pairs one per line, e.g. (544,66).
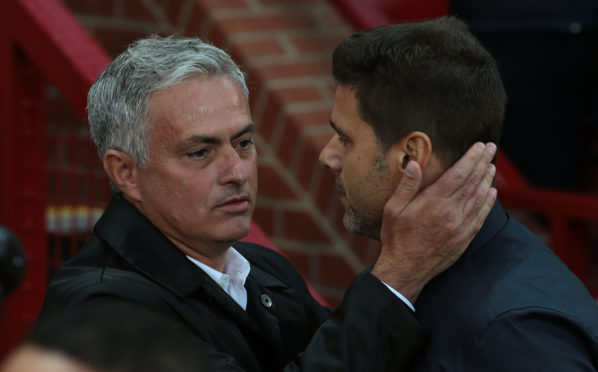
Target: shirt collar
(236,270)
(236,266)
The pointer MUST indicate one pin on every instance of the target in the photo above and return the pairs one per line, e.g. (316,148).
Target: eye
(199,154)
(245,144)
(343,140)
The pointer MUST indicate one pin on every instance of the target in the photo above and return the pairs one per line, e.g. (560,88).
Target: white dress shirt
(232,280)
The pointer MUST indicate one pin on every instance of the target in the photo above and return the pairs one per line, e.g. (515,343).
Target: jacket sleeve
(372,330)
(536,339)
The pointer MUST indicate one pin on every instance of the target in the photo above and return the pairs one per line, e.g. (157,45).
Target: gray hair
(117,101)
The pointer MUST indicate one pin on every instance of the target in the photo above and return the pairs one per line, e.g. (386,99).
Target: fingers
(478,217)
(479,173)
(480,192)
(407,189)
(465,175)
(478,206)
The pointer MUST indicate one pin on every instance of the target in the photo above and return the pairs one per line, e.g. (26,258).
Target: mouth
(237,204)
(339,186)
(342,193)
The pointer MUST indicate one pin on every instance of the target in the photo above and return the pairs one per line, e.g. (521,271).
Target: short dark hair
(432,76)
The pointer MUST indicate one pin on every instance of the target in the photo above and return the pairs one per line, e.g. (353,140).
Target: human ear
(414,146)
(123,171)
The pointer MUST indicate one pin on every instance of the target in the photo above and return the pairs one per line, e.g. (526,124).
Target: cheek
(183,192)
(252,179)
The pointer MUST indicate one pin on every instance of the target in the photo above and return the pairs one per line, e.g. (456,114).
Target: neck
(213,256)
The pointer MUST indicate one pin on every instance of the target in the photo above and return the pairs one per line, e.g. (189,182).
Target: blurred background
(53,188)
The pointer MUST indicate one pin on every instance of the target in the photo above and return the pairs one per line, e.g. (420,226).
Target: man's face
(362,171)
(200,185)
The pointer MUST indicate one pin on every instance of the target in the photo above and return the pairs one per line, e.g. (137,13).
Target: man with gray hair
(171,121)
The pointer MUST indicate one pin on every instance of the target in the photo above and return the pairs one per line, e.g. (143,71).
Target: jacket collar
(144,247)
(495,222)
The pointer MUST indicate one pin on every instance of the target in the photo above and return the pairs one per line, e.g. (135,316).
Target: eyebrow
(195,139)
(336,129)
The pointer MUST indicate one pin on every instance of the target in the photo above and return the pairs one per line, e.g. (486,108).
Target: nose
(330,157)
(235,169)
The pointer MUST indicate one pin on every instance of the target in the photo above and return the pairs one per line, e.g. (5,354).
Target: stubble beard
(359,223)
(356,223)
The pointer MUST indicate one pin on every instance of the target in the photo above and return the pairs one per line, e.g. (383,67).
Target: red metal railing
(40,44)
(568,214)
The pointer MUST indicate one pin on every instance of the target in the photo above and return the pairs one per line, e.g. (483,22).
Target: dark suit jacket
(508,304)
(129,260)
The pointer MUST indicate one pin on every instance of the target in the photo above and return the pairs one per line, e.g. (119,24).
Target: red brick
(216,34)
(316,43)
(300,260)
(265,218)
(293,3)
(298,225)
(261,22)
(335,272)
(335,20)
(94,7)
(272,186)
(310,119)
(222,4)
(255,87)
(289,142)
(195,22)
(298,94)
(294,69)
(268,118)
(135,9)
(309,160)
(248,50)
(115,41)
(173,9)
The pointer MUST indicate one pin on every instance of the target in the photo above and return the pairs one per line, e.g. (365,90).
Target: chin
(238,231)
(358,225)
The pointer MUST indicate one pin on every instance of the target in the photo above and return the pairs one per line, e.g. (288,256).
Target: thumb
(407,188)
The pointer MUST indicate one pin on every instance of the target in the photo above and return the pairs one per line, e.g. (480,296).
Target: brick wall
(284,46)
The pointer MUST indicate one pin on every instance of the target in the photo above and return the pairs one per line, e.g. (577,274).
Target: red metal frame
(39,42)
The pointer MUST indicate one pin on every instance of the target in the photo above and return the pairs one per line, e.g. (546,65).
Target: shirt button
(266,300)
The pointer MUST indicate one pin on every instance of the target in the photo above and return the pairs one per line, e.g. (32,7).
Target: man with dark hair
(425,92)
(171,121)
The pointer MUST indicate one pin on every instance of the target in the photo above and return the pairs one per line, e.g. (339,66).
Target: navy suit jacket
(508,304)
(128,260)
